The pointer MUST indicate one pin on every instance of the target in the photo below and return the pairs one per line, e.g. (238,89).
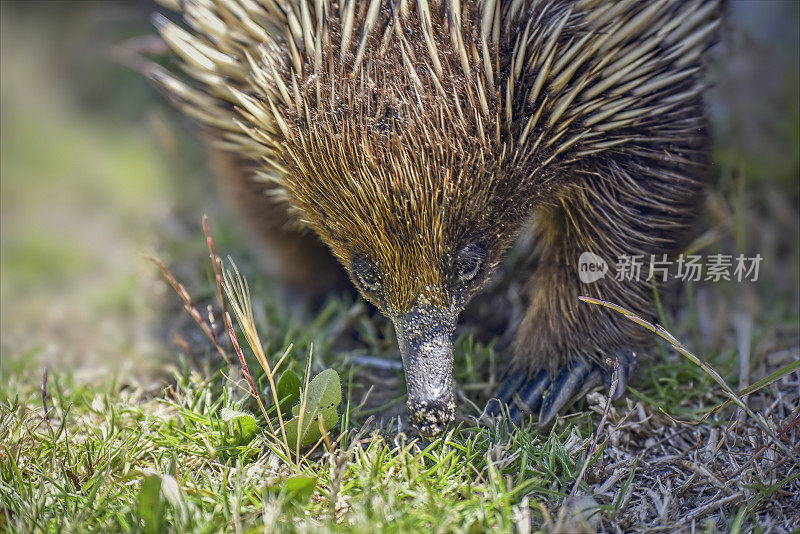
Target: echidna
(417,138)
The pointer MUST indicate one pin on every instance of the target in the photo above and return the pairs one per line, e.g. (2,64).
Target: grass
(113,456)
(81,468)
(130,431)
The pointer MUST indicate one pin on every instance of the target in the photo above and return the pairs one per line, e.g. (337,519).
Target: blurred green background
(97,170)
(93,175)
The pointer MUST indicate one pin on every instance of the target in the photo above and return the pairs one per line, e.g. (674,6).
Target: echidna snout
(425,336)
(431,417)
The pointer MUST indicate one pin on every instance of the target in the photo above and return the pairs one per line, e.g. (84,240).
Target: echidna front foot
(544,394)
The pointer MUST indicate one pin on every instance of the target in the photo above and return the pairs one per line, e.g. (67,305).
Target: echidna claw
(545,395)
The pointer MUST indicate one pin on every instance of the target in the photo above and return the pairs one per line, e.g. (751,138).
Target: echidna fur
(403,132)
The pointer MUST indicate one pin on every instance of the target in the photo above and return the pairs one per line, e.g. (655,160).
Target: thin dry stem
(189,305)
(729,392)
(611,390)
(216,263)
(246,370)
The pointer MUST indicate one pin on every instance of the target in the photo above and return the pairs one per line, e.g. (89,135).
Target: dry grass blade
(235,288)
(729,392)
(795,418)
(767,380)
(45,374)
(238,293)
(246,370)
(612,388)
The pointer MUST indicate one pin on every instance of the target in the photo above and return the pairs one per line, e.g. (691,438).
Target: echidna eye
(469,262)
(366,273)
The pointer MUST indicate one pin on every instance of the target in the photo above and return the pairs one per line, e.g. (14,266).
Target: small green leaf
(297,489)
(324,397)
(151,506)
(288,390)
(300,488)
(242,426)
